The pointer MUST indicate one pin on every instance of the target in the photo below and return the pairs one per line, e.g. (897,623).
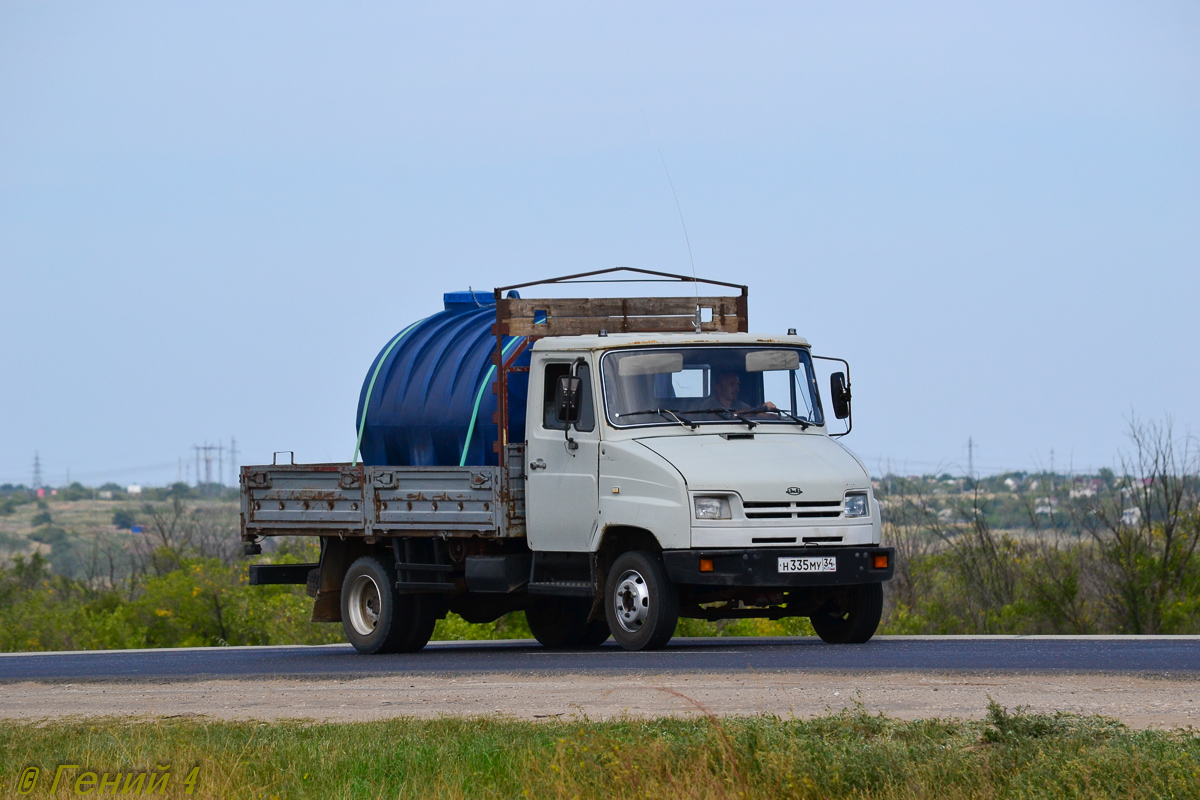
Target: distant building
(1086,487)
(106,494)
(134,489)
(1131,516)
(1045,506)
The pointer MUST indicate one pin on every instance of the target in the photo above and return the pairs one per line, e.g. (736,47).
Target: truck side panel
(416,499)
(299,500)
(360,501)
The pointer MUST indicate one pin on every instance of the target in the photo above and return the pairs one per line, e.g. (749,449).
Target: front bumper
(759,566)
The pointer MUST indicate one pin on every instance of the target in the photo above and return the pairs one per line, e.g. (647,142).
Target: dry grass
(850,754)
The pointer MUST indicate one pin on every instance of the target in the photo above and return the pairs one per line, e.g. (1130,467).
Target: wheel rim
(631,601)
(364,605)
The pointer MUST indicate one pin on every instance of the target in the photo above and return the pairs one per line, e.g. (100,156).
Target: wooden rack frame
(533,319)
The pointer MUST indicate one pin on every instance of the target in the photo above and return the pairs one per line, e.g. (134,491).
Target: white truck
(673,464)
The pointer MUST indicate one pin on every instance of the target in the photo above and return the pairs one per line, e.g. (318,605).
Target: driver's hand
(769,406)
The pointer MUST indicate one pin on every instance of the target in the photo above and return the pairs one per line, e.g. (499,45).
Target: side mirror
(839,392)
(567,396)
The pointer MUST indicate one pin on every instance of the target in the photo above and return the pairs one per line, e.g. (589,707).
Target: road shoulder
(1140,701)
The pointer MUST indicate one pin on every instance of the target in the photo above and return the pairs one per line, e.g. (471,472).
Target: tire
(561,622)
(376,618)
(595,634)
(640,602)
(857,623)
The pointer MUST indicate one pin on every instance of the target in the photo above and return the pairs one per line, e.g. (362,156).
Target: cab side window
(587,414)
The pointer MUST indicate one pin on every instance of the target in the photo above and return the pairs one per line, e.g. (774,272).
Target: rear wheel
(854,620)
(561,622)
(376,618)
(640,602)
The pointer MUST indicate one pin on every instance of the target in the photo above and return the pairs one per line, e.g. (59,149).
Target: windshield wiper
(804,423)
(663,412)
(749,422)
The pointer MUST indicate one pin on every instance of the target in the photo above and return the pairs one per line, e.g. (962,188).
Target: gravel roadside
(1138,700)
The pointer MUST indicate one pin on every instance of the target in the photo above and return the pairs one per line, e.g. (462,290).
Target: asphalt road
(1172,655)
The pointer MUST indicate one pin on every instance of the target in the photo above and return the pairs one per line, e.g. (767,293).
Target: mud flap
(336,555)
(328,607)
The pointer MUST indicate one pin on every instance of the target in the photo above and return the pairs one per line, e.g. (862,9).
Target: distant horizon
(979,476)
(955,466)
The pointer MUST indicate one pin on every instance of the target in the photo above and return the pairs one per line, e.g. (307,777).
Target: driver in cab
(725,389)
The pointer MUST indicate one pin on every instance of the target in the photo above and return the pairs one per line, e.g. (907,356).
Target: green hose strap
(362,423)
(462,461)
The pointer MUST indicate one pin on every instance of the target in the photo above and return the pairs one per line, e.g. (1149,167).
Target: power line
(233,462)
(207,450)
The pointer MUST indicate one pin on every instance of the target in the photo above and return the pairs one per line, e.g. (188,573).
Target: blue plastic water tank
(425,384)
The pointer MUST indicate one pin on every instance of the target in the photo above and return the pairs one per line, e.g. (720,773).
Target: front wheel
(640,602)
(376,618)
(854,619)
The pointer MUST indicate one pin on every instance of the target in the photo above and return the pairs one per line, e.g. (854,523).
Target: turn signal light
(881,561)
(706,565)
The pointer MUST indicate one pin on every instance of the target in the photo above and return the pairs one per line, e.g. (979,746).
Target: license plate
(808,564)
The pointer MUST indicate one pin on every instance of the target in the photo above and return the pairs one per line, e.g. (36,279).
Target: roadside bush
(201,603)
(207,603)
(1122,559)
(455,628)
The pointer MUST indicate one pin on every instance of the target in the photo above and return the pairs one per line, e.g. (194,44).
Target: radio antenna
(679,208)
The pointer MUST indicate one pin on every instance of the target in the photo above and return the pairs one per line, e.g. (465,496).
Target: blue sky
(213,216)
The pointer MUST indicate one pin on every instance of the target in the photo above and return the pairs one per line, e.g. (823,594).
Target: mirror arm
(571,443)
(850,406)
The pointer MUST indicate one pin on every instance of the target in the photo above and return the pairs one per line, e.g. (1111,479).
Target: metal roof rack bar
(536,318)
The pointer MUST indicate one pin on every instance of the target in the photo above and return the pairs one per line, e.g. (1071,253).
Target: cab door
(561,483)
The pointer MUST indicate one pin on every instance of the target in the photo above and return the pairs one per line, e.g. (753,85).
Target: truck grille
(793,510)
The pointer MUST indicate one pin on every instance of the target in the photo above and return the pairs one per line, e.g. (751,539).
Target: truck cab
(714,452)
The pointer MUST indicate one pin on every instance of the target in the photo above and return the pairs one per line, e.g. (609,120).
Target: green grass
(851,754)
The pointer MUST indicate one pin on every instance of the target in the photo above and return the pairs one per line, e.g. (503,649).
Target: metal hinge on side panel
(258,480)
(481,480)
(350,479)
(384,480)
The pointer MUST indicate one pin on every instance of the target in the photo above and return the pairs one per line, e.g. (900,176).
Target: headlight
(712,508)
(856,505)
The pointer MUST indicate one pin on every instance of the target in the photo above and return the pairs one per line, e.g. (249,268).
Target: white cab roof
(593,342)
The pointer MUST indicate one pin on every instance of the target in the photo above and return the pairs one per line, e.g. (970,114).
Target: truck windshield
(710,385)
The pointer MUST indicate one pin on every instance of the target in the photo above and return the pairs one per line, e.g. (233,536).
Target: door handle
(539,464)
